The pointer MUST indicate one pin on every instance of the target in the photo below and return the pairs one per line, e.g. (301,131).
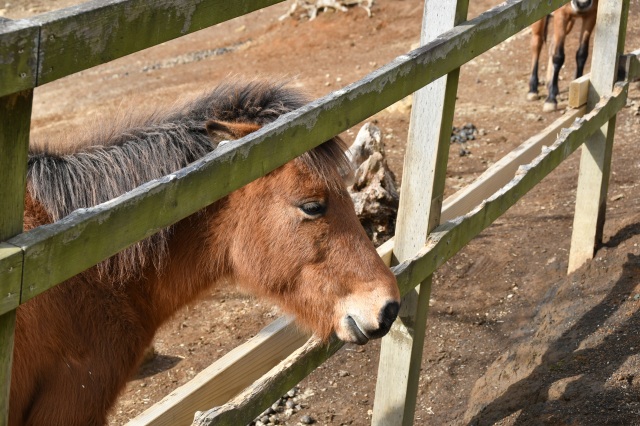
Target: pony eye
(314,208)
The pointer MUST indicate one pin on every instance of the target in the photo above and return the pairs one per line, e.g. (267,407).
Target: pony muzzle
(356,329)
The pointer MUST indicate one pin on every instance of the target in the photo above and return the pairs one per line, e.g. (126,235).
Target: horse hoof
(531,96)
(549,107)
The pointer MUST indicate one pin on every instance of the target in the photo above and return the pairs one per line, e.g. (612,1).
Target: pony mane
(121,157)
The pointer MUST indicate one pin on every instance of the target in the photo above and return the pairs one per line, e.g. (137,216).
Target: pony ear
(224,129)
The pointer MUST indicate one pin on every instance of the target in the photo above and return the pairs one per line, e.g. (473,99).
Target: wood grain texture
(595,159)
(424,173)
(18,56)
(93,33)
(579,91)
(224,379)
(15,119)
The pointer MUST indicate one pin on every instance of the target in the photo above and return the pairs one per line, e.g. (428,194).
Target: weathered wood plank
(595,160)
(80,37)
(15,119)
(444,242)
(226,377)
(246,406)
(579,91)
(18,56)
(83,36)
(503,170)
(424,173)
(450,237)
(58,251)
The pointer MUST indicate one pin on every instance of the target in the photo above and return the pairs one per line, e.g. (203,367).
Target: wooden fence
(244,382)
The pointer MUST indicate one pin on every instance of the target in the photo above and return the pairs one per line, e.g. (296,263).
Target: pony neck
(192,266)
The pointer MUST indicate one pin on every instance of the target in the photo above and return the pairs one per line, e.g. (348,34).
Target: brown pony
(563,20)
(291,237)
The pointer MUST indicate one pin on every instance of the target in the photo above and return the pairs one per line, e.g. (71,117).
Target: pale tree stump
(373,187)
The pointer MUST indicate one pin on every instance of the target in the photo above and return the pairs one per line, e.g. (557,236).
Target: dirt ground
(512,340)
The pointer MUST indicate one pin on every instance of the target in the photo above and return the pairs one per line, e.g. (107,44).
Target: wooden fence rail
(56,252)
(57,44)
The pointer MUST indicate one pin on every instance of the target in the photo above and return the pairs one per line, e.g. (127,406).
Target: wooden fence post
(15,120)
(595,161)
(421,199)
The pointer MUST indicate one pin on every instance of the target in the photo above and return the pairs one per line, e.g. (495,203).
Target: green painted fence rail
(54,253)
(53,45)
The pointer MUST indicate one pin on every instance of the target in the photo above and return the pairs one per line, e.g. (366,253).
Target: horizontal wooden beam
(96,32)
(503,170)
(55,252)
(253,400)
(444,242)
(80,37)
(227,377)
(497,175)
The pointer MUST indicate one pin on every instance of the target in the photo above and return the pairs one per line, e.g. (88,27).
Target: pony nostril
(387,316)
(389,313)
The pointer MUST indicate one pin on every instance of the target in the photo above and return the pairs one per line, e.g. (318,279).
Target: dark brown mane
(122,157)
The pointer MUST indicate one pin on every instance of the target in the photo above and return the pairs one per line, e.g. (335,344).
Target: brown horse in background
(563,20)
(291,237)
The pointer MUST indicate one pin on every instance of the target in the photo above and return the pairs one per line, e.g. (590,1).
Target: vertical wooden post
(15,119)
(421,198)
(595,161)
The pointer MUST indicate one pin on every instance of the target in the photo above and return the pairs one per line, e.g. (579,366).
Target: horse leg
(588,23)
(556,60)
(538,30)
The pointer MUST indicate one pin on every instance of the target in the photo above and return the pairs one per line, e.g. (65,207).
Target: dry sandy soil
(512,340)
